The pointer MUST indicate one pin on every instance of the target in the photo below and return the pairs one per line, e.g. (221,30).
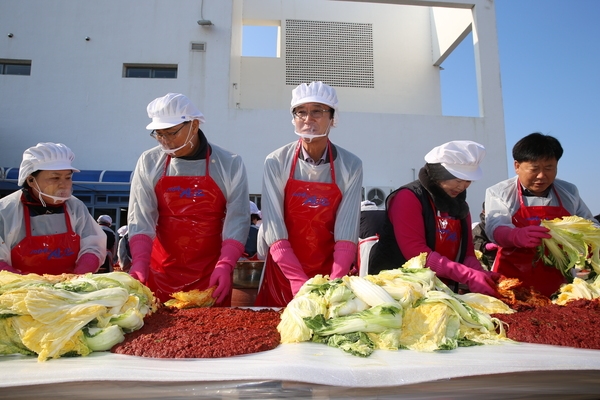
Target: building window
(15,67)
(150,71)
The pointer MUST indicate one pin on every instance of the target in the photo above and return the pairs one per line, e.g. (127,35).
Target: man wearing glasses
(188,206)
(310,201)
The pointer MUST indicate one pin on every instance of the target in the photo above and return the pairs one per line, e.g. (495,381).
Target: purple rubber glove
(141,249)
(478,280)
(491,246)
(528,236)
(344,254)
(284,256)
(6,267)
(87,263)
(221,277)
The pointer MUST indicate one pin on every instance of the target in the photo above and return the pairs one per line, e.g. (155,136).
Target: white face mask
(188,140)
(64,195)
(311,136)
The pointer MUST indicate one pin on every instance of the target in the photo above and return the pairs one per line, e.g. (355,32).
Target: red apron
(447,239)
(188,233)
(309,214)
(46,254)
(521,262)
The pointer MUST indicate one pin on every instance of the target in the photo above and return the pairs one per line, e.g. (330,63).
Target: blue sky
(549,53)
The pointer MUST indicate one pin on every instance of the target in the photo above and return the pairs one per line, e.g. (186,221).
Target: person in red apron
(430,215)
(310,203)
(515,207)
(44,229)
(188,210)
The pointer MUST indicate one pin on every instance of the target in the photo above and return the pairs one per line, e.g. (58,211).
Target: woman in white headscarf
(310,201)
(44,229)
(430,215)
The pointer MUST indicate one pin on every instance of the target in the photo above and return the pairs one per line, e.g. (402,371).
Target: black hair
(537,146)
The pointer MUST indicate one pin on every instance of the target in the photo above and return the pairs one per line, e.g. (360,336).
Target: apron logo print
(312,201)
(56,253)
(186,192)
(449,235)
(535,219)
(443,224)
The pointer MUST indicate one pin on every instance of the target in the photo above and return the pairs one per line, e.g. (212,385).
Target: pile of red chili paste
(572,325)
(207,332)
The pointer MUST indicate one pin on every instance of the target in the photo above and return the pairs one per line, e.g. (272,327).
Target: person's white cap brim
(461,158)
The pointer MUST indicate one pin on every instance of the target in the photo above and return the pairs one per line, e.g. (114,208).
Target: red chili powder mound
(211,332)
(572,325)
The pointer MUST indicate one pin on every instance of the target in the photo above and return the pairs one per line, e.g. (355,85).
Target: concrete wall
(76,93)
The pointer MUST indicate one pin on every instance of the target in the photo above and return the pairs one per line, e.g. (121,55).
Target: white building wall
(76,93)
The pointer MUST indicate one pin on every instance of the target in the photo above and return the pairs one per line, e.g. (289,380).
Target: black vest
(386,254)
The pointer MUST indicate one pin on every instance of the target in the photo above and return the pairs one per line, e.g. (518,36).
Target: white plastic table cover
(304,362)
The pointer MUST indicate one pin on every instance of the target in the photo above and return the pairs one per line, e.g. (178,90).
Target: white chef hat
(170,110)
(254,209)
(315,92)
(122,231)
(460,157)
(104,219)
(45,157)
(368,205)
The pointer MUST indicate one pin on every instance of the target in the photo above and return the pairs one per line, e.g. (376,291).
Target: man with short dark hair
(515,207)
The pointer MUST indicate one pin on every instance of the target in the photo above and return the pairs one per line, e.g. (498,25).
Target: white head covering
(122,231)
(315,92)
(254,209)
(170,110)
(45,157)
(460,157)
(368,205)
(104,219)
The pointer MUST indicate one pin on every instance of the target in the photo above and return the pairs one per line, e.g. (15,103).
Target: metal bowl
(246,274)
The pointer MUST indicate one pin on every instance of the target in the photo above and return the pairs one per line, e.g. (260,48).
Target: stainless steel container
(246,274)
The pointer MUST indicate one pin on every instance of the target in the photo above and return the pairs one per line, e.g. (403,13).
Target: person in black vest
(430,215)
(105,221)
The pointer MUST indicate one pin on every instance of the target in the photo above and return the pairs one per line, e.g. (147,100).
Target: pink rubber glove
(231,251)
(6,267)
(344,254)
(491,246)
(141,249)
(87,263)
(479,281)
(284,256)
(528,236)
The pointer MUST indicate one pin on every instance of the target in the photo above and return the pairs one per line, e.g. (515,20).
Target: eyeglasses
(314,114)
(166,135)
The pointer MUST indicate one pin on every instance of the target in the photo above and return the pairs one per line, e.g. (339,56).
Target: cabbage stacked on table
(404,308)
(67,315)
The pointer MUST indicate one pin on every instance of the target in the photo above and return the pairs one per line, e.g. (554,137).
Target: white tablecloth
(304,362)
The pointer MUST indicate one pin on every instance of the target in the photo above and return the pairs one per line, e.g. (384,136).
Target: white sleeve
(501,202)
(275,175)
(349,178)
(92,237)
(143,206)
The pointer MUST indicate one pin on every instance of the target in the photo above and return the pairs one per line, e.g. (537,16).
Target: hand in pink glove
(284,256)
(344,254)
(478,280)
(87,263)
(141,249)
(6,267)
(528,236)
(221,277)
(491,246)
